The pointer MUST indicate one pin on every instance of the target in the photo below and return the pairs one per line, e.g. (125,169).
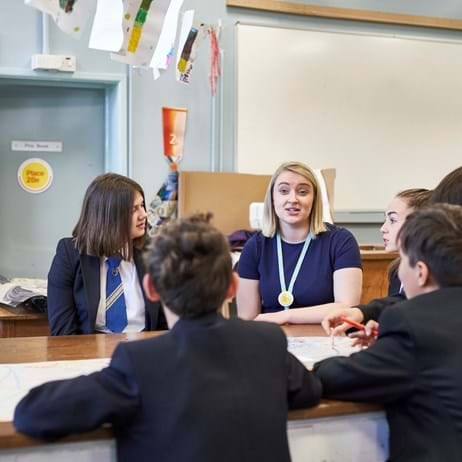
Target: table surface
(37,349)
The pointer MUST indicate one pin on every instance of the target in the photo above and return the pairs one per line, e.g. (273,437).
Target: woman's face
(139,216)
(395,215)
(293,197)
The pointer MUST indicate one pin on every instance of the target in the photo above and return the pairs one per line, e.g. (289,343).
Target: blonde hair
(270,221)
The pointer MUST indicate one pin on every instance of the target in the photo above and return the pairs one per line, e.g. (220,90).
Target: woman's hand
(280,317)
(332,323)
(366,337)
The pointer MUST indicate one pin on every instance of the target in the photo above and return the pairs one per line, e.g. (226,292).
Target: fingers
(371,328)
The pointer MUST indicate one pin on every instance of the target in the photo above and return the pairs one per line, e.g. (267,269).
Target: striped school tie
(116,311)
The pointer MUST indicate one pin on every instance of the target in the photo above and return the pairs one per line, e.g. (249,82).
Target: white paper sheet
(107,33)
(167,36)
(312,349)
(73,21)
(17,379)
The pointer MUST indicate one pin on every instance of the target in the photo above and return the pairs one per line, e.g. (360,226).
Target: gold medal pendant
(285,298)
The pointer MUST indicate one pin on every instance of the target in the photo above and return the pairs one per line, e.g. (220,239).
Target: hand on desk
(366,337)
(333,325)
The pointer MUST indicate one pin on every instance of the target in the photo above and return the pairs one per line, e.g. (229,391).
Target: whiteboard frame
(321,11)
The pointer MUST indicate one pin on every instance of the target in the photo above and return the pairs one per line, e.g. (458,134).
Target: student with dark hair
(94,283)
(209,390)
(414,368)
(449,190)
(404,203)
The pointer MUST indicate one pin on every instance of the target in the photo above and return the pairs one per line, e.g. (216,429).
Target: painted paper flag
(164,49)
(185,63)
(215,68)
(71,16)
(186,24)
(107,33)
(142,26)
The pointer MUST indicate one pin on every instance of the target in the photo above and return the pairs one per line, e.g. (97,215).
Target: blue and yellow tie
(116,311)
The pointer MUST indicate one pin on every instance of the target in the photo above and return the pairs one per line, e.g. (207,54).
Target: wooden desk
(36,349)
(375,273)
(22,322)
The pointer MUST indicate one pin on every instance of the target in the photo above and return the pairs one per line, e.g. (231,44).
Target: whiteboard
(385,111)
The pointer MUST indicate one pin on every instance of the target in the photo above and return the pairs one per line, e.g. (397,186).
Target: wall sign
(39,146)
(35,175)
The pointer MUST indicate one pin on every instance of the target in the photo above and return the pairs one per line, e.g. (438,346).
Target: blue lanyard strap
(297,266)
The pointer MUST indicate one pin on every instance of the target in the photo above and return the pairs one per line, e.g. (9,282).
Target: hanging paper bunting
(70,16)
(164,49)
(142,26)
(215,68)
(190,39)
(107,33)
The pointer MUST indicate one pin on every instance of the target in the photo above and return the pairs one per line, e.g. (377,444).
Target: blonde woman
(297,260)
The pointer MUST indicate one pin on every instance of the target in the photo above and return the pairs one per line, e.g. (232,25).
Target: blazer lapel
(152,308)
(91,277)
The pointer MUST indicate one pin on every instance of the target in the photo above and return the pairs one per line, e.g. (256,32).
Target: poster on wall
(35,176)
(165,204)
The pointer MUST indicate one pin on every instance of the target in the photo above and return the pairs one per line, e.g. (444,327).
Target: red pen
(358,325)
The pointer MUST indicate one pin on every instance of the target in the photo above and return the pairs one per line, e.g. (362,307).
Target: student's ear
(149,289)
(423,274)
(232,286)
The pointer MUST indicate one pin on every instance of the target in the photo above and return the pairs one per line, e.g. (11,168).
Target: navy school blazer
(209,390)
(74,292)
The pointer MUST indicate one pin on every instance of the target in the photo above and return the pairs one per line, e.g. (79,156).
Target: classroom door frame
(115,86)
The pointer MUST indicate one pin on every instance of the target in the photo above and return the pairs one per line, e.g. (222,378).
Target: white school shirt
(134,301)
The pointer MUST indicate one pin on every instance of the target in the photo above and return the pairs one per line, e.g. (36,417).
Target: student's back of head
(190,266)
(449,190)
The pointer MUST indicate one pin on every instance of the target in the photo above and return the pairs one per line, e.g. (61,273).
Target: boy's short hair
(433,235)
(189,263)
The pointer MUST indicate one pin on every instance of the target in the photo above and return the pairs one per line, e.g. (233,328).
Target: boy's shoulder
(257,328)
(436,307)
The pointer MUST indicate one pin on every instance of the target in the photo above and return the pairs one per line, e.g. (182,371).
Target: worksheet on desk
(312,349)
(17,379)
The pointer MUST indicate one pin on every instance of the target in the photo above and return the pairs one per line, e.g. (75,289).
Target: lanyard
(286,298)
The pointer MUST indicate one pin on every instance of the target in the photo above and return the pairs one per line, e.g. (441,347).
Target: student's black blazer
(74,292)
(209,390)
(415,370)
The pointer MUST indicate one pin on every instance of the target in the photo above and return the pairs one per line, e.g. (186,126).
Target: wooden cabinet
(375,272)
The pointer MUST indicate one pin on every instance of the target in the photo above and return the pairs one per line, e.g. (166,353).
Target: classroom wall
(20,38)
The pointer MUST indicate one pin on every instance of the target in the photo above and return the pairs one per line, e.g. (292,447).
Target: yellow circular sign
(35,175)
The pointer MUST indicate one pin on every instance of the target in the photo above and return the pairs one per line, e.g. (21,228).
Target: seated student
(297,260)
(94,283)
(414,368)
(210,389)
(448,191)
(399,208)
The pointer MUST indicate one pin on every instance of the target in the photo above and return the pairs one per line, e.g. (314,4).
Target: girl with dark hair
(94,283)
(403,204)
